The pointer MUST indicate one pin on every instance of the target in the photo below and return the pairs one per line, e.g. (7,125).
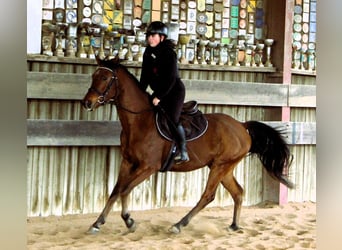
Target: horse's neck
(133,104)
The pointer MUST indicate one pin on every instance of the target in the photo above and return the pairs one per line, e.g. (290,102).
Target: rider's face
(154,39)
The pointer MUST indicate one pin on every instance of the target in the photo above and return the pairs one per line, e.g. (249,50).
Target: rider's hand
(155,101)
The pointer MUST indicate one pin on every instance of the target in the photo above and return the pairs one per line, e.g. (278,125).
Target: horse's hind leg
(236,191)
(208,196)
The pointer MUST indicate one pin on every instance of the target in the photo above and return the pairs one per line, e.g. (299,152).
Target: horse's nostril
(86,104)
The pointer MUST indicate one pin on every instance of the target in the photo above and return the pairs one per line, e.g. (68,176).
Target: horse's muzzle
(87,105)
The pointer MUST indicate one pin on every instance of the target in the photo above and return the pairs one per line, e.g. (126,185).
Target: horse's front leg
(124,170)
(125,215)
(95,227)
(131,181)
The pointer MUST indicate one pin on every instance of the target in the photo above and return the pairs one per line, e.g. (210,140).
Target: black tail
(271,149)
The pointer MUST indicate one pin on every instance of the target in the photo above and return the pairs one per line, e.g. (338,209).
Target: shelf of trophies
(199,53)
(303,61)
(80,44)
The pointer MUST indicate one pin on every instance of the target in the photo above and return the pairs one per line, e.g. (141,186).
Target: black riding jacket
(160,72)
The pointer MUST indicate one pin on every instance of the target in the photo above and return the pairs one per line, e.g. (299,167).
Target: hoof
(174,230)
(233,228)
(132,227)
(93,230)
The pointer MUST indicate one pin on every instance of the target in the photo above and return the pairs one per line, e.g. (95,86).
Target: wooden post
(279,20)
(286,111)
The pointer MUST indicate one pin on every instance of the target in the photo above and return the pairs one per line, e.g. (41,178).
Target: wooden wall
(73,155)
(304,174)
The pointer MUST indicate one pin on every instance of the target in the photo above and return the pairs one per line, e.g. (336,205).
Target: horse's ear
(98,60)
(107,61)
(116,59)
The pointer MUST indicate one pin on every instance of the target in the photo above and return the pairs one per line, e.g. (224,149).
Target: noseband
(101,99)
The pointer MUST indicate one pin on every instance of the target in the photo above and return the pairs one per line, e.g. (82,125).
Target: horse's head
(104,84)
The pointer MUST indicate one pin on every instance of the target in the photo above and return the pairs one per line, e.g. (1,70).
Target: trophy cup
(229,55)
(220,48)
(243,49)
(61,34)
(183,41)
(259,54)
(243,55)
(311,59)
(252,48)
(140,38)
(71,41)
(212,45)
(81,52)
(48,34)
(59,17)
(91,52)
(106,44)
(295,56)
(268,43)
(203,43)
(129,40)
(93,30)
(195,41)
(121,52)
(224,54)
(236,49)
(303,59)
(248,55)
(103,28)
(111,43)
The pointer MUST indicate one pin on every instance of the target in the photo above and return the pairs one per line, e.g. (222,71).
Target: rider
(160,72)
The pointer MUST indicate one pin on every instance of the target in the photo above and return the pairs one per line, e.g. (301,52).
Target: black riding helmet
(157,27)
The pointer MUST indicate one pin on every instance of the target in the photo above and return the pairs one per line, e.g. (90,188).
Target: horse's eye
(104,78)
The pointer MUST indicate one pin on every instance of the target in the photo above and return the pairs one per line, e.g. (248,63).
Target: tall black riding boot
(181,141)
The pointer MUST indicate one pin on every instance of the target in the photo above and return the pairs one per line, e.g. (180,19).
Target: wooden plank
(303,72)
(297,133)
(107,133)
(60,60)
(134,64)
(62,86)
(72,133)
(236,93)
(302,96)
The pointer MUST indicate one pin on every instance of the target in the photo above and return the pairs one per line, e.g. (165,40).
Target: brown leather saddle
(194,123)
(192,119)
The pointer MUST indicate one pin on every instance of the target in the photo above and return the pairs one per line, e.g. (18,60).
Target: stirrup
(179,159)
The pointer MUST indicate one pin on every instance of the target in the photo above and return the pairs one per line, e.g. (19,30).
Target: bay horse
(225,143)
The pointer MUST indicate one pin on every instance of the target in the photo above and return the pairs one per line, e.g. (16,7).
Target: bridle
(101,99)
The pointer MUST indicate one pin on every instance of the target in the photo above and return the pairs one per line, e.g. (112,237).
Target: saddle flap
(192,119)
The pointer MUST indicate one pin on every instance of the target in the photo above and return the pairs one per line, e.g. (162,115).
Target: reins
(102,96)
